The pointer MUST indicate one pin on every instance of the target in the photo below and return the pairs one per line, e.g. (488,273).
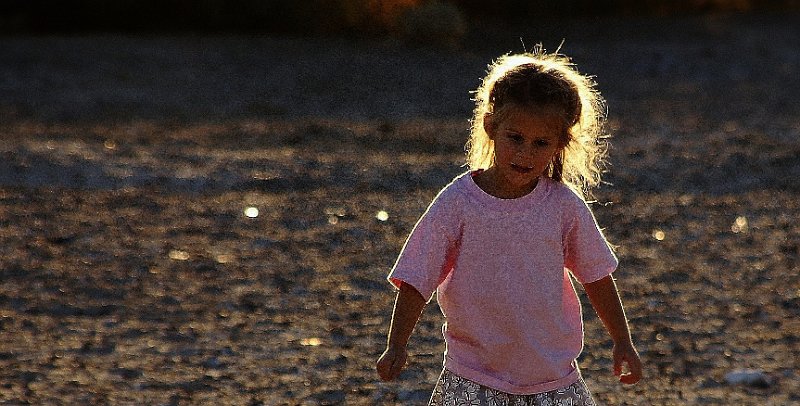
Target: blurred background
(200,200)
(326,17)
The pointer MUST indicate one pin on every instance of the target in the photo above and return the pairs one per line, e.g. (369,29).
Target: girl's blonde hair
(538,80)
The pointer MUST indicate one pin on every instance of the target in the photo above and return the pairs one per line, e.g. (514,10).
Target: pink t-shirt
(501,269)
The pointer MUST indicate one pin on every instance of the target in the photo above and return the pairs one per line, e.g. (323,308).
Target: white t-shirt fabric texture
(500,268)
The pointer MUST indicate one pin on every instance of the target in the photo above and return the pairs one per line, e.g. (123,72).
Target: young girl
(499,242)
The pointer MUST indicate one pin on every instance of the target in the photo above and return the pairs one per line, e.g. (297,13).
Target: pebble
(749,377)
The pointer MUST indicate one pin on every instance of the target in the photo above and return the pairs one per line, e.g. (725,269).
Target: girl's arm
(606,302)
(407,309)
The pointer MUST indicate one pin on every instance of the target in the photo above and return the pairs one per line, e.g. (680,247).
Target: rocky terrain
(210,220)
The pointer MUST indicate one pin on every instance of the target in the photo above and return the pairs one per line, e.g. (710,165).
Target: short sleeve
(429,253)
(587,253)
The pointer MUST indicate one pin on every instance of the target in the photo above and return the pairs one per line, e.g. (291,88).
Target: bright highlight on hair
(538,80)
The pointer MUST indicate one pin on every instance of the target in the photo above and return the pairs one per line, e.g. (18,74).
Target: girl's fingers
(620,358)
(390,365)
(634,373)
(397,366)
(382,372)
(635,367)
(384,368)
(630,378)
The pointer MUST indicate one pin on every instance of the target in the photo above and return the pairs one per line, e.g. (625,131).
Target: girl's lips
(521,169)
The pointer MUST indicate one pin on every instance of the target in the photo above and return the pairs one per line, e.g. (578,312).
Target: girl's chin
(523,175)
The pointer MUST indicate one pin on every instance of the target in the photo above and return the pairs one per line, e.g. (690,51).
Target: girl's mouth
(521,169)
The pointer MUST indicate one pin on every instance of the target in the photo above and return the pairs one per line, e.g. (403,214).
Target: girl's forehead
(550,111)
(546,119)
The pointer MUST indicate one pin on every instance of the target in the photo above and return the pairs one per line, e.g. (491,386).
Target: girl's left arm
(606,302)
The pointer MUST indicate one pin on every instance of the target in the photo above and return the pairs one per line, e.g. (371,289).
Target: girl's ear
(488,125)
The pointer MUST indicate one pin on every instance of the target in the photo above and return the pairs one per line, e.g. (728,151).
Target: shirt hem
(398,281)
(599,276)
(503,386)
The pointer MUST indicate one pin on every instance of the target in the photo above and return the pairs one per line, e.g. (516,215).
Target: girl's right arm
(407,309)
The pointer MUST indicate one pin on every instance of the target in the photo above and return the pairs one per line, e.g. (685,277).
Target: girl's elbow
(604,281)
(408,289)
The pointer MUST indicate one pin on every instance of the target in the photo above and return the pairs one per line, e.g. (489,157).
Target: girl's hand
(626,354)
(391,363)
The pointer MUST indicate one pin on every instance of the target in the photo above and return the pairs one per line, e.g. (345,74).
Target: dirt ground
(133,272)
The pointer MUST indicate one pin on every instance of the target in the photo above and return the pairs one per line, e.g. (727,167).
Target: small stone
(749,377)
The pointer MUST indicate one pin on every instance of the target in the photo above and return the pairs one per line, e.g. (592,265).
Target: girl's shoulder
(563,192)
(457,189)
(569,201)
(453,200)
(447,208)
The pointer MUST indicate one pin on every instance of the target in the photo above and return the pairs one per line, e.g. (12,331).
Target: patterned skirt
(452,390)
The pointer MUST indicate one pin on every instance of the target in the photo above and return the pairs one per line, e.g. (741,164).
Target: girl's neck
(489,182)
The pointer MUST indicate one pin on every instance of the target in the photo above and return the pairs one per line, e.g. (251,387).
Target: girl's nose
(523,158)
(524,152)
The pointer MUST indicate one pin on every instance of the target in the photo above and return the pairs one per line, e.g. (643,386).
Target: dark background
(352,17)
(135,136)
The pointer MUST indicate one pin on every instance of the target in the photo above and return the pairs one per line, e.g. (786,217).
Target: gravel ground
(132,274)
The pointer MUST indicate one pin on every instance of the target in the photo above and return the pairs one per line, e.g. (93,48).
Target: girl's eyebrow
(536,136)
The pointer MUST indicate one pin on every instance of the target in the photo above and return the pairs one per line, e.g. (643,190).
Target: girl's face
(525,143)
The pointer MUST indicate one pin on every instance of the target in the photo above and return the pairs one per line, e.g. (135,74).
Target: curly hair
(536,80)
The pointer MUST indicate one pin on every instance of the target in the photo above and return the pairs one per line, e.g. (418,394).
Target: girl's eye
(516,138)
(542,143)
